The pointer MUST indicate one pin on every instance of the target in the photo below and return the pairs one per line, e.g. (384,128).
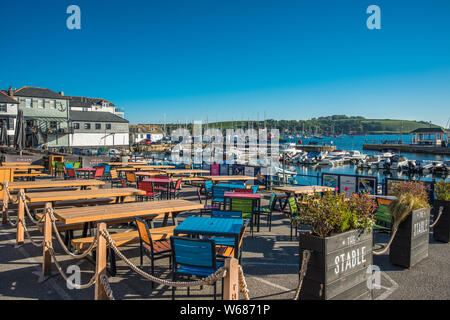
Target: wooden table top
(125,169)
(153,167)
(228,178)
(54,184)
(304,189)
(242,195)
(28,167)
(148,173)
(184,171)
(16,164)
(126,210)
(126,163)
(82,194)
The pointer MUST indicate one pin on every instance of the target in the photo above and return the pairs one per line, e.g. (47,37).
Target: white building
(94,104)
(141,132)
(97,129)
(8,112)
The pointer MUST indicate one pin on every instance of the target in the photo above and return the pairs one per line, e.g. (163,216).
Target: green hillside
(337,123)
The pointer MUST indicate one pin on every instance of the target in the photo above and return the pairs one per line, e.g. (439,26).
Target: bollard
(100,266)
(46,257)
(231,280)
(20,216)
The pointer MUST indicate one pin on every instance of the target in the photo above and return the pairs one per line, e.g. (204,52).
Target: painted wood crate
(441,231)
(338,267)
(410,244)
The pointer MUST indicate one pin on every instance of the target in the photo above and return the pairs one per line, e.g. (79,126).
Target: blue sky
(236,59)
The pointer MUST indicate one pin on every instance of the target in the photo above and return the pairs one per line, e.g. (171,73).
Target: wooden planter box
(337,269)
(441,231)
(410,244)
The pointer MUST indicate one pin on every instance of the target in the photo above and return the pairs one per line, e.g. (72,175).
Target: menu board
(367,185)
(223,169)
(348,185)
(330,180)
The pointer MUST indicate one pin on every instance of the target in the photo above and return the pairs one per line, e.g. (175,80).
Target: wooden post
(100,266)
(231,280)
(46,257)
(20,216)
(5,203)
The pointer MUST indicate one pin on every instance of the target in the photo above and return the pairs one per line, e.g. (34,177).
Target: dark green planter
(441,231)
(337,269)
(410,244)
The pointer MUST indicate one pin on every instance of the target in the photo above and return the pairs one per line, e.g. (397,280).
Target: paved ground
(270,263)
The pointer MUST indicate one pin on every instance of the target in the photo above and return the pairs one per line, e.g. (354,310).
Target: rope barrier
(5,206)
(441,209)
(243,284)
(60,270)
(27,210)
(36,244)
(106,286)
(218,274)
(63,245)
(302,273)
(385,249)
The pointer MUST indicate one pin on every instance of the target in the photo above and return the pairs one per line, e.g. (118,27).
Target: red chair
(148,188)
(175,192)
(99,172)
(70,174)
(160,186)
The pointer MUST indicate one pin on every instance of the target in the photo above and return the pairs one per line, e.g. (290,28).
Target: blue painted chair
(218,195)
(229,242)
(193,257)
(69,166)
(255,189)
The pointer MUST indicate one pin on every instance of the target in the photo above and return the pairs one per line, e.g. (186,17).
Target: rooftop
(4,98)
(35,92)
(430,130)
(87,102)
(95,116)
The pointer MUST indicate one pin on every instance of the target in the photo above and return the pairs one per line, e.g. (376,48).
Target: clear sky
(236,59)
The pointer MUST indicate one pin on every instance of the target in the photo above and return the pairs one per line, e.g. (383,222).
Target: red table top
(242,195)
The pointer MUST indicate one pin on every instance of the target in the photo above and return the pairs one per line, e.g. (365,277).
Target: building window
(87,126)
(28,103)
(76,126)
(53,124)
(40,104)
(98,126)
(10,123)
(3,107)
(108,126)
(52,104)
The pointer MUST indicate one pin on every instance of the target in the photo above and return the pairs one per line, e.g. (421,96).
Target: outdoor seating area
(156,229)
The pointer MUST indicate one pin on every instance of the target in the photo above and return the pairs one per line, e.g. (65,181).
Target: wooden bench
(124,238)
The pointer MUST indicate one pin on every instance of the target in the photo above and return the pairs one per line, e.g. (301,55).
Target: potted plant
(441,231)
(341,243)
(411,224)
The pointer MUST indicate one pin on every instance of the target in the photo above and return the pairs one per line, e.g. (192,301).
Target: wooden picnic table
(82,194)
(100,214)
(125,163)
(49,198)
(152,167)
(16,164)
(27,168)
(299,190)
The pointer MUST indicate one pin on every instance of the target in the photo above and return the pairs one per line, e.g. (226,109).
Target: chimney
(11,92)
(62,93)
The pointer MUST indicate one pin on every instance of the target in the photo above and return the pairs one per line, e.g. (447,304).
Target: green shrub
(332,213)
(442,190)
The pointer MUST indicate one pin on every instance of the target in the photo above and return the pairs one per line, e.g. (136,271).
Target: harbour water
(356,142)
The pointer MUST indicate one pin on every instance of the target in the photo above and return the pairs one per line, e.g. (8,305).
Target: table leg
(5,204)
(47,258)
(100,266)
(20,216)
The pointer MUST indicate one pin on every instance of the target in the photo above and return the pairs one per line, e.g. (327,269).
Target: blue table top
(213,226)
(230,186)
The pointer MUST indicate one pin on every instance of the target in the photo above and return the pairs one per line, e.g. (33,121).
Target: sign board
(249,171)
(215,169)
(330,180)
(223,169)
(367,185)
(348,185)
